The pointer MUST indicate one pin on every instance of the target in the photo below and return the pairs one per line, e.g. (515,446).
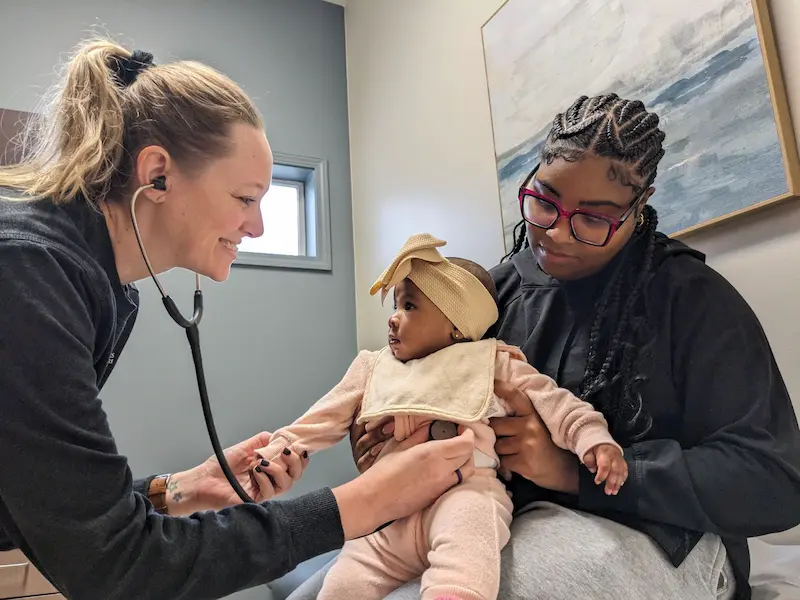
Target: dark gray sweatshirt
(67,497)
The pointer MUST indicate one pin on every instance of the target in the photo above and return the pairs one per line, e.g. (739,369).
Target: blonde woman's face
(213,210)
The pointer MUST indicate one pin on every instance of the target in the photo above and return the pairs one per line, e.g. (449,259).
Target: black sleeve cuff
(142,486)
(592,497)
(315,524)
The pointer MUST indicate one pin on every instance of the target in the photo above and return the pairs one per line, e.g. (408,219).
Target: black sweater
(67,498)
(723,455)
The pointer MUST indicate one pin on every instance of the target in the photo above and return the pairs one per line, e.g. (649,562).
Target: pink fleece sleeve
(574,424)
(329,420)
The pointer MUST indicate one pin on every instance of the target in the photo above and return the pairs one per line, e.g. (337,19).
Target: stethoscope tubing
(193,336)
(191,326)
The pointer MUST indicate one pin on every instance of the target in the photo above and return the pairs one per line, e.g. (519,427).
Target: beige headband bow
(456,292)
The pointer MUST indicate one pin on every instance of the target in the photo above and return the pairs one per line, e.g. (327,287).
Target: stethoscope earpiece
(160,183)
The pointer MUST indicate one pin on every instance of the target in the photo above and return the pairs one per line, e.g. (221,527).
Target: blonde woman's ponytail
(108,106)
(76,145)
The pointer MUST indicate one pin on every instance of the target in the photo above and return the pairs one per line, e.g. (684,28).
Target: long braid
(621,335)
(520,241)
(615,387)
(609,298)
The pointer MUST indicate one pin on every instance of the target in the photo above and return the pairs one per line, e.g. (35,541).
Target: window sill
(278,261)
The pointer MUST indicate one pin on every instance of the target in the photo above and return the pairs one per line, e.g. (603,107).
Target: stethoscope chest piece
(443,430)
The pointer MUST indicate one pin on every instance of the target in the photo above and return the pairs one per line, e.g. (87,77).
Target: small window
(283,212)
(296,218)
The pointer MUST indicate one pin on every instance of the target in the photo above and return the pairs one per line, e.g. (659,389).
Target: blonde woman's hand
(405,481)
(206,488)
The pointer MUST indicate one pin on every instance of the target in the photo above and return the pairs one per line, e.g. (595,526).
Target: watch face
(443,430)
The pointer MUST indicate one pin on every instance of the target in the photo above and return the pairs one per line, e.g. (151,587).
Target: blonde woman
(68,259)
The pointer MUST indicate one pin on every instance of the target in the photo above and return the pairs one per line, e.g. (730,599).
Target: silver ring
(458,474)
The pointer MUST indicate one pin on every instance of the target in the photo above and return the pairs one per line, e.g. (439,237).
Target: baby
(438,370)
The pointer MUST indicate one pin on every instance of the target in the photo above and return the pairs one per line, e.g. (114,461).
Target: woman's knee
(558,553)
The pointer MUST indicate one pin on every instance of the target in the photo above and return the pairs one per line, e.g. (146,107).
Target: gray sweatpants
(560,554)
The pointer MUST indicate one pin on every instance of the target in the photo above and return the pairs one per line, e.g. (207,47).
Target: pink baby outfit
(454,544)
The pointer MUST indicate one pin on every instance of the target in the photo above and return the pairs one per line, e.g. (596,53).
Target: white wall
(421,144)
(422,158)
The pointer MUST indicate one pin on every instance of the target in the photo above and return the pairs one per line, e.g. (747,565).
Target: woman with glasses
(639,326)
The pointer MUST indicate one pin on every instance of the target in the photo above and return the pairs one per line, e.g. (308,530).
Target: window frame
(311,175)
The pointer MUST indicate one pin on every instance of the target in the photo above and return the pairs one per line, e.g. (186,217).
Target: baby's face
(417,328)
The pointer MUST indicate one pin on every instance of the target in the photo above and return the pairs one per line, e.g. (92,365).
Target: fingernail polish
(388,428)
(258,469)
(264,463)
(286,451)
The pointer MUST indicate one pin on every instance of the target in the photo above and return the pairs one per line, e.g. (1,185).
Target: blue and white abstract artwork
(696,63)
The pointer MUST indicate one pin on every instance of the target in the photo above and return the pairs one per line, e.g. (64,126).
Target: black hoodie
(723,455)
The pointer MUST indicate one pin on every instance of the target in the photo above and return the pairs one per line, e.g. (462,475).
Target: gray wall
(274,341)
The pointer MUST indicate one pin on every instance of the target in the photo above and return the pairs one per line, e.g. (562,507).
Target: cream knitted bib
(454,384)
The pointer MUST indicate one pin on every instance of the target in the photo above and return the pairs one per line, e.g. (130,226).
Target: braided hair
(520,241)
(621,335)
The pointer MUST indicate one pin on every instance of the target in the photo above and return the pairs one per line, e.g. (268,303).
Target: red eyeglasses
(586,226)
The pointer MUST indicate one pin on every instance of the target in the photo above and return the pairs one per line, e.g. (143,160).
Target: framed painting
(12,123)
(708,68)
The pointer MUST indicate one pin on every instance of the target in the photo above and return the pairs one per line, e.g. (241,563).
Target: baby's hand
(609,464)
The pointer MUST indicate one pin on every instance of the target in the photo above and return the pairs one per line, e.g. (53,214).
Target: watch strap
(157,493)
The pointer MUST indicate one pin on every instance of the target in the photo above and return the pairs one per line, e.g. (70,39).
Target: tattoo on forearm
(172,488)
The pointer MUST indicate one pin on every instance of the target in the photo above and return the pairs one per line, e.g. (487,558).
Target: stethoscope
(193,335)
(438,430)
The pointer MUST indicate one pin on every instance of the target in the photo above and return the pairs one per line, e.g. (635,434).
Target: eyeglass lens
(586,228)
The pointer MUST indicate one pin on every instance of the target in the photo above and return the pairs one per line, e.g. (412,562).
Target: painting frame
(778,99)
(12,124)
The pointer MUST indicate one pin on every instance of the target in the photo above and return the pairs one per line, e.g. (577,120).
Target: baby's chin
(404,354)
(398,353)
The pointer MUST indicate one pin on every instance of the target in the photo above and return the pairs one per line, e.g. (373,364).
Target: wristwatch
(157,493)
